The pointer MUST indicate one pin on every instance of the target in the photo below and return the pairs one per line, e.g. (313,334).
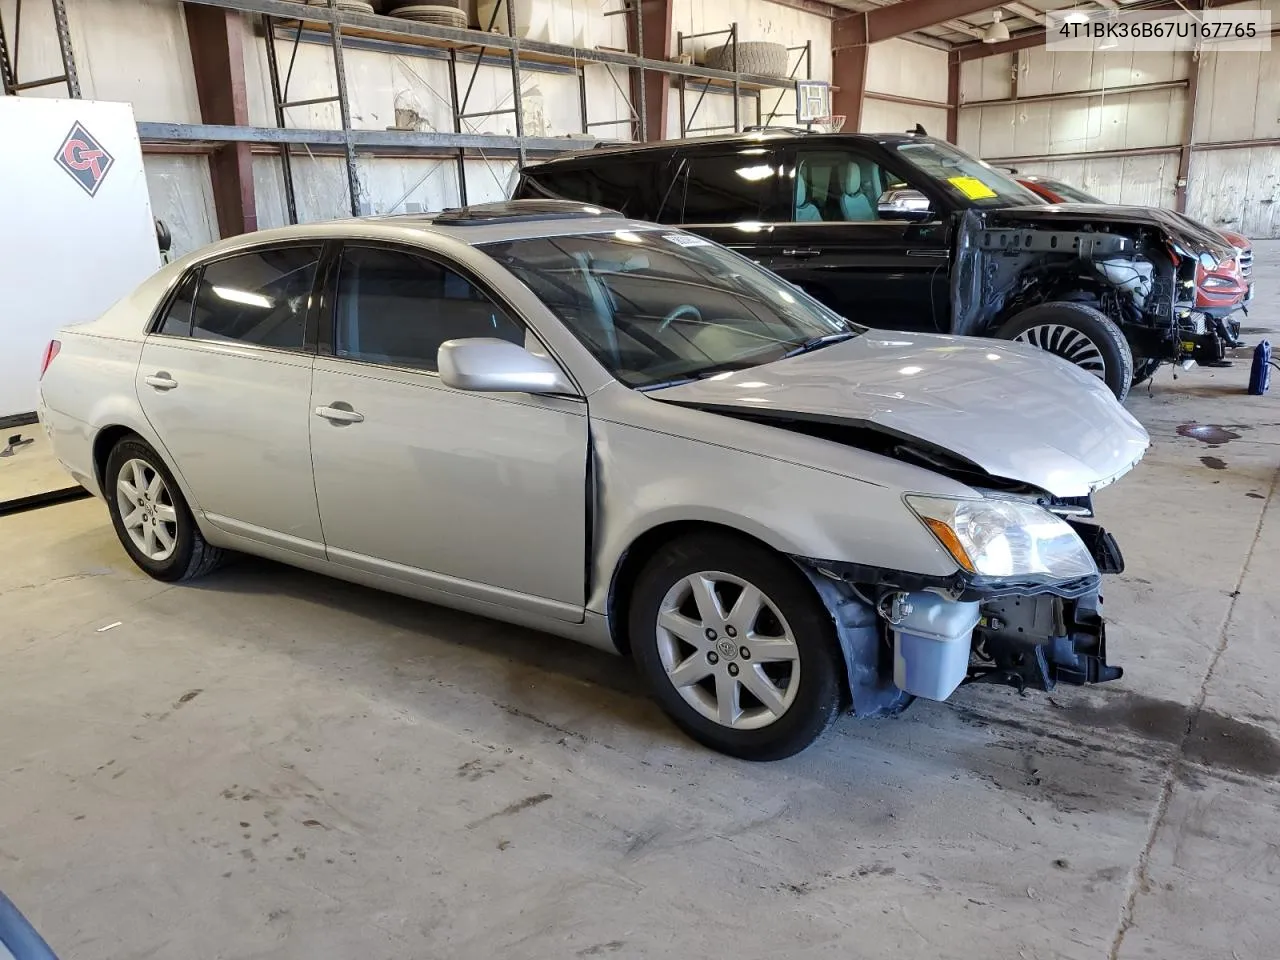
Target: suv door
(723,193)
(225,380)
(846,242)
(472,494)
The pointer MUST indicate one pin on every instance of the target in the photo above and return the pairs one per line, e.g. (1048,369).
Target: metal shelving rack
(9,62)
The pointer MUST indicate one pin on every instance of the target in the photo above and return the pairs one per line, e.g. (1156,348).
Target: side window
(626,185)
(842,186)
(260,297)
(397,308)
(725,188)
(177,319)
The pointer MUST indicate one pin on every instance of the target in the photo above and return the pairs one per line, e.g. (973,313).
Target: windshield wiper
(817,343)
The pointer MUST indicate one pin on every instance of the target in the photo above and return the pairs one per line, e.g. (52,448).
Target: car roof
(472,225)
(752,138)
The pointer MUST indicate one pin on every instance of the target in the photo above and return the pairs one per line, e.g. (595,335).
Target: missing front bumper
(1039,642)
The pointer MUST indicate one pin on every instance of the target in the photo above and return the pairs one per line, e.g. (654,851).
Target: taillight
(50,352)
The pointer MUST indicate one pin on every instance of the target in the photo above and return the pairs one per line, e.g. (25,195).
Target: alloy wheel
(727,650)
(1069,343)
(146,510)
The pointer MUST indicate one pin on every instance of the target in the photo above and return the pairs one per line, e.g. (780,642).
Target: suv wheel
(736,646)
(1080,333)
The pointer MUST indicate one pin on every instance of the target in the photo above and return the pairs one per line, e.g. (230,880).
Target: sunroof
(514,211)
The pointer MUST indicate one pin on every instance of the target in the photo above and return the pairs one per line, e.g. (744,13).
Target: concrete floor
(273,764)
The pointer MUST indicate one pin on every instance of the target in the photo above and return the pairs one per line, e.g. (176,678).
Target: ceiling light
(996,32)
(1075,16)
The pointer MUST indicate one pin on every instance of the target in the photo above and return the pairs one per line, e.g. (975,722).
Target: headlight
(1004,538)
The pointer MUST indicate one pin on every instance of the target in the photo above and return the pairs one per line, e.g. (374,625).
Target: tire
(168,544)
(758,58)
(1080,333)
(1144,369)
(799,683)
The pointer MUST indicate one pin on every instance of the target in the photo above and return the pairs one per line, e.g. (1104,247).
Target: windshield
(967,179)
(1068,192)
(657,307)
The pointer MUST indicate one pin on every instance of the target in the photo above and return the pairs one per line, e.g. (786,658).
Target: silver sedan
(615,432)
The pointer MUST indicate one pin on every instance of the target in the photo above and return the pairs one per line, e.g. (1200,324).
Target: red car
(1221,288)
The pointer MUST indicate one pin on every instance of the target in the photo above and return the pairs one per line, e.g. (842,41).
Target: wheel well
(103,444)
(639,553)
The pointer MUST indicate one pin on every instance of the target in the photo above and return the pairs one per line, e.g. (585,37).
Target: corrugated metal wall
(1238,100)
(902,68)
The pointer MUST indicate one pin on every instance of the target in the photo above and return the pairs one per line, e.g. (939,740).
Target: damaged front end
(1149,272)
(905,635)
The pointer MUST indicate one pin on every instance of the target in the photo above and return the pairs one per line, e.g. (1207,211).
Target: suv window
(260,297)
(177,319)
(722,188)
(396,308)
(843,186)
(629,186)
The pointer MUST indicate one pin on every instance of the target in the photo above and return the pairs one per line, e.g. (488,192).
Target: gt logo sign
(84,158)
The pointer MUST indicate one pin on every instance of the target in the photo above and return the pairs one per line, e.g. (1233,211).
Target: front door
(225,380)
(856,244)
(473,494)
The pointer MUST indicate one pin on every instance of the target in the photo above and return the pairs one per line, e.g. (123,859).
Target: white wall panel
(134,51)
(883,116)
(907,69)
(1238,189)
(182,196)
(985,79)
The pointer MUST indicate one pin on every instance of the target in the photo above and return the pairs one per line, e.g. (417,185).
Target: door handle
(801,252)
(160,380)
(336,414)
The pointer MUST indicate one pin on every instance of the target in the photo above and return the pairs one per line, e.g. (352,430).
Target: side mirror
(489,365)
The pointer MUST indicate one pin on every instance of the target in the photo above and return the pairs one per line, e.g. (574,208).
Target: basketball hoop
(832,123)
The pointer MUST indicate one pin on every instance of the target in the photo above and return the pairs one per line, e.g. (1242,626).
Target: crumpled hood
(1015,411)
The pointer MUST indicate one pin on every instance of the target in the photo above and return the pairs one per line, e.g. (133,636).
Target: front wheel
(736,646)
(1079,333)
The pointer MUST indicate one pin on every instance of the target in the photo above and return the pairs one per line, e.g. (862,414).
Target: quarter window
(177,319)
(260,297)
(398,308)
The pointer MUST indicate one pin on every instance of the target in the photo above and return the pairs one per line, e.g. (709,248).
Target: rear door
(849,246)
(724,193)
(225,381)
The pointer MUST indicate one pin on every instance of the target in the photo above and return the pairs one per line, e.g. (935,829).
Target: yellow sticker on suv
(972,187)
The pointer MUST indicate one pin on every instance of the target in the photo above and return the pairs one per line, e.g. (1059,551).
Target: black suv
(907,232)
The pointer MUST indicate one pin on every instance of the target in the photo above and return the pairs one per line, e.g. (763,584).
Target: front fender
(796,509)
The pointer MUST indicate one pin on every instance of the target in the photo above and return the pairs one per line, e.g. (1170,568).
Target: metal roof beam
(883,23)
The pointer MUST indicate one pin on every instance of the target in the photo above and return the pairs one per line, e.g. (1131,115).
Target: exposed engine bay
(1143,274)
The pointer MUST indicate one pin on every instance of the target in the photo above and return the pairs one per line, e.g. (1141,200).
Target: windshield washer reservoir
(931,645)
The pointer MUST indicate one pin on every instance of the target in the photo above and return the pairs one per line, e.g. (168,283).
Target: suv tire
(1079,333)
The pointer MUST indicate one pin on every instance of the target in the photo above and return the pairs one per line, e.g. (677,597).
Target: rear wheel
(150,516)
(1079,333)
(736,646)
